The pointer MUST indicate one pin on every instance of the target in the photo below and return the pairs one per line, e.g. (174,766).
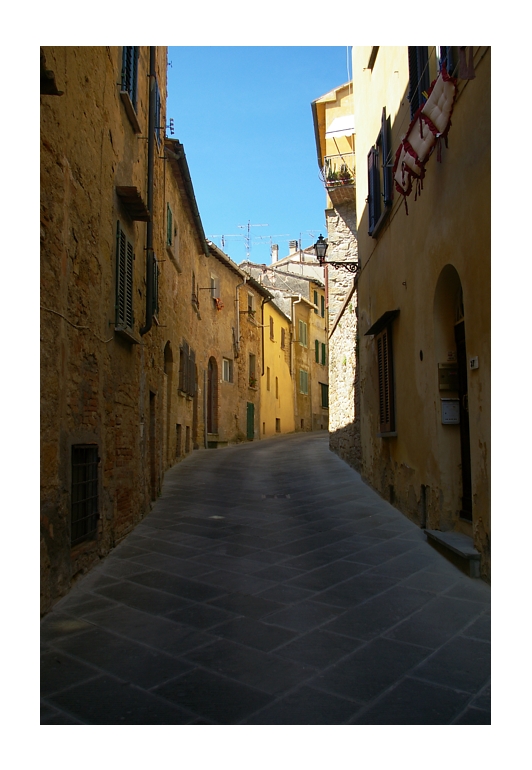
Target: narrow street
(269,585)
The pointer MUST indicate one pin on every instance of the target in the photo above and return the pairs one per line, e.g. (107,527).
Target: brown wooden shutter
(385,373)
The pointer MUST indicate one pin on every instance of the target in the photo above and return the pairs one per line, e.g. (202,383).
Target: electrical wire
(76,326)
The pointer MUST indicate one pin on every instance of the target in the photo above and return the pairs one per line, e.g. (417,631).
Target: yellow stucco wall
(277,386)
(414,264)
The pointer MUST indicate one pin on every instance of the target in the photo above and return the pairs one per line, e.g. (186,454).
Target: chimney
(293,245)
(275,253)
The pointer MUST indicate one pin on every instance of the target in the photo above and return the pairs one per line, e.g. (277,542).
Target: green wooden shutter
(323,353)
(169,225)
(317,350)
(155,288)
(322,306)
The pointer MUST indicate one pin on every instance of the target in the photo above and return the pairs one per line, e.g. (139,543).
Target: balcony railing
(338,176)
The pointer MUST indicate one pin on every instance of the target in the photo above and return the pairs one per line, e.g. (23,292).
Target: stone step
(461,546)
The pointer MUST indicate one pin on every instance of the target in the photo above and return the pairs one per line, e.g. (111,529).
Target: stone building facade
(143,356)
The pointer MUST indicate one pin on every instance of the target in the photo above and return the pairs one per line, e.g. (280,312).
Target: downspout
(264,301)
(292,363)
(149,228)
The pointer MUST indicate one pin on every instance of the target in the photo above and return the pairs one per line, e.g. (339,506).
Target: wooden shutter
(283,332)
(169,225)
(387,187)
(385,374)
(124,280)
(316,301)
(373,188)
(317,350)
(155,288)
(322,306)
(323,353)
(130,56)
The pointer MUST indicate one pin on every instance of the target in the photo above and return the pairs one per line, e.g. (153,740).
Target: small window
(303,334)
(271,328)
(379,178)
(187,370)
(130,59)
(252,371)
(215,287)
(419,76)
(277,387)
(227,370)
(169,226)
(267,378)
(84,493)
(324,395)
(277,425)
(303,382)
(283,337)
(386,383)
(316,301)
(158,116)
(124,281)
(251,304)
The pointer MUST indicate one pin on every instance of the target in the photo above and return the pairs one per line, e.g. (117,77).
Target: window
(155,290)
(317,350)
(385,375)
(267,378)
(158,116)
(215,287)
(130,60)
(277,425)
(277,387)
(252,371)
(446,58)
(322,306)
(303,381)
(124,281)
(227,370)
(84,493)
(418,68)
(316,301)
(379,178)
(251,304)
(324,395)
(195,297)
(283,337)
(303,334)
(323,353)
(169,226)
(187,370)
(271,328)
(320,351)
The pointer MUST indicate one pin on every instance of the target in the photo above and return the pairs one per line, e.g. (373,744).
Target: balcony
(338,176)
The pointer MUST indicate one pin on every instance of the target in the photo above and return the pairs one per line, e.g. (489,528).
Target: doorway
(466,511)
(212,396)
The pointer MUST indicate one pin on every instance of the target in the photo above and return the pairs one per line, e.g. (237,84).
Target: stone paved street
(269,585)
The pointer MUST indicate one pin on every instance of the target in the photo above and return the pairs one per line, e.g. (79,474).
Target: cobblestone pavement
(269,585)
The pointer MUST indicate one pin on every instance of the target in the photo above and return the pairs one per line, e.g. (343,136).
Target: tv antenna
(247,238)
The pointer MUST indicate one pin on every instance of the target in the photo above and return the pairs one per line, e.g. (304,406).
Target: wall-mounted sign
(450,411)
(448,376)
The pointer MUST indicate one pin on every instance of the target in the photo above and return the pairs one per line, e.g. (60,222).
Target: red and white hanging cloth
(430,125)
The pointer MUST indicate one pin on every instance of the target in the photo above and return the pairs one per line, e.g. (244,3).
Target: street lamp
(320,249)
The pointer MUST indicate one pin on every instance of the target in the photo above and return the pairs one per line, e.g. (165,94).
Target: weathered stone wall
(344,421)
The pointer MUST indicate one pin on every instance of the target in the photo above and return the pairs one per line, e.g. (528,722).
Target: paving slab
(269,585)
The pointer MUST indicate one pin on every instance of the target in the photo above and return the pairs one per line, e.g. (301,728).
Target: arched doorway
(212,396)
(450,347)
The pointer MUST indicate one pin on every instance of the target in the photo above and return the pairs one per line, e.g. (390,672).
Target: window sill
(381,220)
(130,110)
(127,334)
(390,434)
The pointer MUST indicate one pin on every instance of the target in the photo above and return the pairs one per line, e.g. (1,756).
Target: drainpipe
(149,228)
(237,301)
(264,301)
(292,355)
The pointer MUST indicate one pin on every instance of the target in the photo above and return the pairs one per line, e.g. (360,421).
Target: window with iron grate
(84,493)
(386,384)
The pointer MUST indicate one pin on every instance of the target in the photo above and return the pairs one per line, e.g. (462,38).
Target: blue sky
(243,115)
